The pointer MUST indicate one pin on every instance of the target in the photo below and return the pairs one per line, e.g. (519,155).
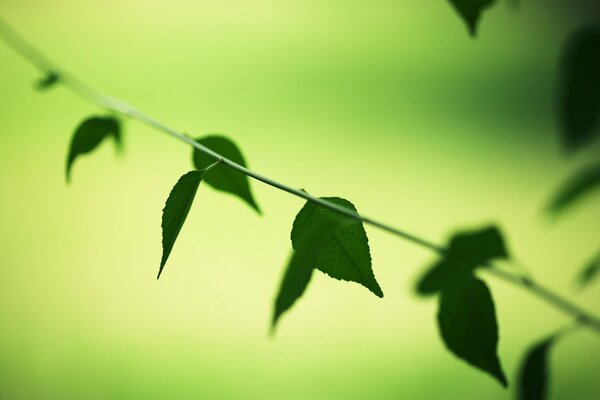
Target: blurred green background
(387,103)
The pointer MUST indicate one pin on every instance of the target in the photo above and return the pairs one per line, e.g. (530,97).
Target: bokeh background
(387,103)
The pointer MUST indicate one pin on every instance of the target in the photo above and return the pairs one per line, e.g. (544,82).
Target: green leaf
(590,271)
(470,11)
(88,136)
(301,265)
(221,177)
(467,323)
(176,210)
(49,80)
(580,185)
(466,252)
(533,375)
(345,255)
(580,88)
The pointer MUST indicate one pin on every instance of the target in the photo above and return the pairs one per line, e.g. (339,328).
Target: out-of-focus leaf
(580,88)
(470,11)
(302,262)
(345,255)
(88,136)
(590,271)
(49,80)
(580,185)
(221,177)
(467,323)
(466,252)
(176,210)
(533,375)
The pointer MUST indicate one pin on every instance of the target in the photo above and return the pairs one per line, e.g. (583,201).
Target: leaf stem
(91,95)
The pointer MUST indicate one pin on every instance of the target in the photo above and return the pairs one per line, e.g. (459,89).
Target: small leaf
(467,323)
(583,183)
(221,177)
(466,252)
(580,88)
(88,135)
(533,376)
(345,255)
(590,271)
(470,11)
(176,210)
(301,265)
(49,80)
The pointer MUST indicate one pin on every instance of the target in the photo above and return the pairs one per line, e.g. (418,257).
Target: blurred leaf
(583,183)
(590,271)
(533,375)
(467,323)
(580,88)
(221,177)
(47,81)
(176,210)
(345,255)
(470,11)
(466,252)
(302,262)
(89,134)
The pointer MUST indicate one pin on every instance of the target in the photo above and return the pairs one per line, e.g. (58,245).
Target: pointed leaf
(176,210)
(88,136)
(466,252)
(49,80)
(467,323)
(590,271)
(301,265)
(346,255)
(576,188)
(221,177)
(533,376)
(470,11)
(580,89)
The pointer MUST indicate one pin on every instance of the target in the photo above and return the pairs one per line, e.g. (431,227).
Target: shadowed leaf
(533,375)
(221,177)
(88,136)
(580,88)
(467,323)
(176,210)
(470,11)
(580,185)
(345,255)
(466,252)
(47,81)
(590,271)
(300,267)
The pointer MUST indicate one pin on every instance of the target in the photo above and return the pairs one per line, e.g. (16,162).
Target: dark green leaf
(580,185)
(533,376)
(467,323)
(470,11)
(345,255)
(176,210)
(590,271)
(301,265)
(89,134)
(221,177)
(580,88)
(466,252)
(47,81)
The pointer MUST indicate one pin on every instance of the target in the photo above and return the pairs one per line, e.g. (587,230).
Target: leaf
(49,80)
(176,210)
(470,11)
(580,185)
(580,88)
(221,177)
(466,252)
(467,323)
(89,134)
(345,255)
(590,271)
(301,265)
(533,375)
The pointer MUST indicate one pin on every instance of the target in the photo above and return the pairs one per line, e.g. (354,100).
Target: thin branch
(91,95)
